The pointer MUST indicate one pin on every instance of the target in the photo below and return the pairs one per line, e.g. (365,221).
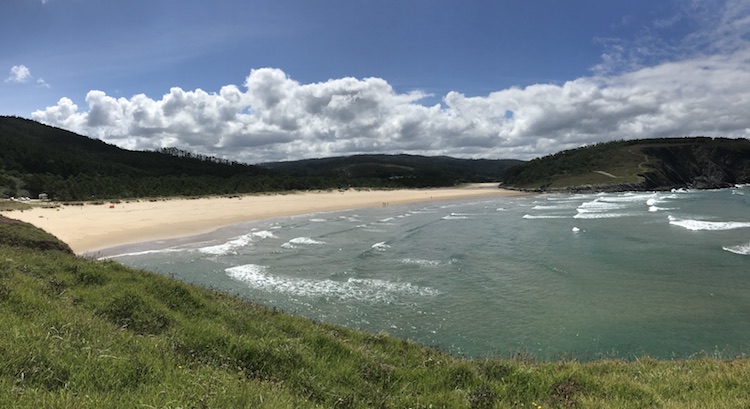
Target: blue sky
(289,79)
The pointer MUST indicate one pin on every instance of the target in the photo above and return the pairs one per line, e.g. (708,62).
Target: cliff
(704,165)
(646,164)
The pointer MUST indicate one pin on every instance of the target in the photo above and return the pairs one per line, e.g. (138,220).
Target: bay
(584,276)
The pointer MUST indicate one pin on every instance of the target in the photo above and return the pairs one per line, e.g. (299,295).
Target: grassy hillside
(647,164)
(80,333)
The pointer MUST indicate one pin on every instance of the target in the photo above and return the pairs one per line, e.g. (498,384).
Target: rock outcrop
(697,166)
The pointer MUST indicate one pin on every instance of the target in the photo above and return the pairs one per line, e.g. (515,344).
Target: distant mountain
(645,164)
(411,170)
(36,158)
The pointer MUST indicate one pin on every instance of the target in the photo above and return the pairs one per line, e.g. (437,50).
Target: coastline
(95,227)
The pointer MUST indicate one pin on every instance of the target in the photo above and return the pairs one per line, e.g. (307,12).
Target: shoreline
(95,227)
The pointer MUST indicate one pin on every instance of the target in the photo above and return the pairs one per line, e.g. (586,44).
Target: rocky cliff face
(698,166)
(659,164)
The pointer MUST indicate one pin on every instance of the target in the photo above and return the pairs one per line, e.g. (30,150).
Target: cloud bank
(274,117)
(703,89)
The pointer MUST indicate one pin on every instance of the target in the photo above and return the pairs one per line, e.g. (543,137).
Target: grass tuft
(131,311)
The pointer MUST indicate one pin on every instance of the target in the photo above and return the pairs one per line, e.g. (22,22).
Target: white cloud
(19,73)
(274,117)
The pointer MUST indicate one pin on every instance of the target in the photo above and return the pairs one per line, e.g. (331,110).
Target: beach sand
(94,227)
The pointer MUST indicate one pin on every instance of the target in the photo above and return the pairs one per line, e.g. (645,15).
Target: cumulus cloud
(19,73)
(273,117)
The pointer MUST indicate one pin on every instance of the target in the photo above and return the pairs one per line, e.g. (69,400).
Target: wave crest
(742,249)
(226,248)
(301,241)
(699,225)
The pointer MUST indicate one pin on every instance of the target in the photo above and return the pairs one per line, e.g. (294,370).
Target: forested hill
(645,164)
(36,158)
(410,169)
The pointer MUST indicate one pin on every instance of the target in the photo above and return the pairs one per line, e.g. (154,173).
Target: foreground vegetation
(81,333)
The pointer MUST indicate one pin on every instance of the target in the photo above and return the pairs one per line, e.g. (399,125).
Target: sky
(268,80)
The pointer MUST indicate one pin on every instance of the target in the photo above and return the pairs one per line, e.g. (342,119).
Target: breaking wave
(704,225)
(264,234)
(380,246)
(742,249)
(141,253)
(456,216)
(595,215)
(301,241)
(370,290)
(421,263)
(226,248)
(554,207)
(545,216)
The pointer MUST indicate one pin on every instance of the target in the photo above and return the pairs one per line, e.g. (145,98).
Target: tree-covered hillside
(410,170)
(36,158)
(645,164)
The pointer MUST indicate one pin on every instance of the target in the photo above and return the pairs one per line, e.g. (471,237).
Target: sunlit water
(586,276)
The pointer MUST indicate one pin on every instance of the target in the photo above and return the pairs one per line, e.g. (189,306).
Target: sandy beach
(94,227)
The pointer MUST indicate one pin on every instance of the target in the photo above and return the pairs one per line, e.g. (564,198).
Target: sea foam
(264,234)
(545,216)
(598,205)
(226,248)
(629,198)
(704,225)
(370,290)
(742,249)
(596,215)
(554,207)
(301,241)
(421,263)
(456,216)
(142,253)
(381,246)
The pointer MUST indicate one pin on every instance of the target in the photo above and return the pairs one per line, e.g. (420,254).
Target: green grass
(80,333)
(634,164)
(11,205)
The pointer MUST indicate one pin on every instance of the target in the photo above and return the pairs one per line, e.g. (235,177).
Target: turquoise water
(664,274)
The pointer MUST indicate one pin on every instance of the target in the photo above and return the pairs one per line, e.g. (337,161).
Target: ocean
(553,276)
